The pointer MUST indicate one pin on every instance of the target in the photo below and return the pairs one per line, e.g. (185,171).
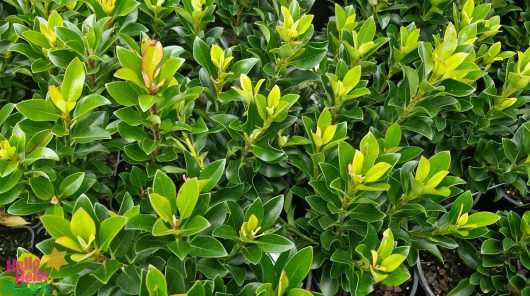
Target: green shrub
(247,147)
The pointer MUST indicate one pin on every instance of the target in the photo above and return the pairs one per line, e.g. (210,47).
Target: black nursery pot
(503,201)
(13,238)
(415,283)
(476,197)
(443,283)
(423,281)
(510,200)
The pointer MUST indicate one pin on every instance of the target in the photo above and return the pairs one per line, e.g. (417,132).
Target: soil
(443,277)
(403,290)
(10,240)
(382,290)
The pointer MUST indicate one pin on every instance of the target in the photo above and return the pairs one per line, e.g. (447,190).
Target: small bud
(274,97)
(107,6)
(7,152)
(152,55)
(317,138)
(250,228)
(217,55)
(54,200)
(357,163)
(329,134)
(462,220)
(282,140)
(197,4)
(270,111)
(71,5)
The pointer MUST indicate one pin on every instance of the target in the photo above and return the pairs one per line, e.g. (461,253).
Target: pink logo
(27,271)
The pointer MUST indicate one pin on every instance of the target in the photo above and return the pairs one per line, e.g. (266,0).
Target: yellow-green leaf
(82,225)
(152,55)
(161,206)
(392,262)
(423,169)
(187,197)
(376,172)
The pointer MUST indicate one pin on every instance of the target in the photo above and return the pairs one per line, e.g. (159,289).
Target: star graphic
(55,259)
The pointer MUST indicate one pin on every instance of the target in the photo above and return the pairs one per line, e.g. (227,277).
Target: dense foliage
(256,147)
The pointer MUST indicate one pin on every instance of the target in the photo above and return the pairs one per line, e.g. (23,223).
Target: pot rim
(512,201)
(415,282)
(423,281)
(477,195)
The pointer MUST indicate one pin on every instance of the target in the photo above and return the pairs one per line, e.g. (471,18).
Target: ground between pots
(443,277)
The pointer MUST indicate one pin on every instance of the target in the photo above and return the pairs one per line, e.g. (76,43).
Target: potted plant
(271,147)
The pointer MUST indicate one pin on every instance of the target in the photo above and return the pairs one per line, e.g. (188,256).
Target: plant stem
(413,102)
(315,169)
(388,76)
(343,214)
(193,151)
(240,13)
(92,76)
(234,252)
(67,126)
(315,162)
(297,231)
(250,141)
(156,132)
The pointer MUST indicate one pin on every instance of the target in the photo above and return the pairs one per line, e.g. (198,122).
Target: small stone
(443,285)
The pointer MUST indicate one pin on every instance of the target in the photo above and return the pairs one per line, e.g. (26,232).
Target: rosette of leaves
(499,117)
(353,42)
(445,72)
(179,213)
(295,147)
(457,223)
(472,14)
(84,236)
(151,98)
(500,258)
(506,162)
(217,65)
(292,46)
(175,211)
(346,85)
(81,126)
(378,264)
(94,246)
(91,43)
(194,15)
(429,180)
(324,135)
(252,232)
(27,158)
(345,200)
(255,140)
(17,157)
(58,40)
(293,270)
